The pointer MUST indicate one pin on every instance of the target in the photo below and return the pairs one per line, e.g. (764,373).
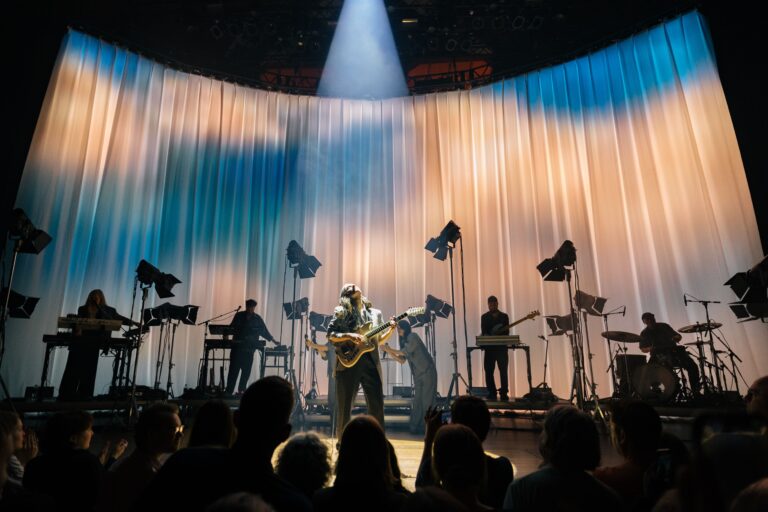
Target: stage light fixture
(295,310)
(554,268)
(319,321)
(751,287)
(305,264)
(440,307)
(149,275)
(560,324)
(30,240)
(439,245)
(592,304)
(20,306)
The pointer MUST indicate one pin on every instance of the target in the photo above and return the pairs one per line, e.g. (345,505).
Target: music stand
(590,305)
(294,311)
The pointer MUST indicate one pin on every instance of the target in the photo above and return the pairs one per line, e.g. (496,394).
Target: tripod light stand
(558,268)
(26,239)
(441,247)
(147,276)
(304,267)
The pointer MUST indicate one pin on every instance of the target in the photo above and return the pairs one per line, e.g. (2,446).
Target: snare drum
(655,382)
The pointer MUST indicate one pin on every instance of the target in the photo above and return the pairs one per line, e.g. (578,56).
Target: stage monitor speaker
(402,391)
(32,393)
(481,392)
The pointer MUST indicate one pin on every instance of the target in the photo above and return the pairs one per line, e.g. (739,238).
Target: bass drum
(655,383)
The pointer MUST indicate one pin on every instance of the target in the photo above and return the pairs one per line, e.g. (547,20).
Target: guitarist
(495,323)
(353,311)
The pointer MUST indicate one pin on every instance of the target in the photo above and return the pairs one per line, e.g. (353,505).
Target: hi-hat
(622,336)
(700,327)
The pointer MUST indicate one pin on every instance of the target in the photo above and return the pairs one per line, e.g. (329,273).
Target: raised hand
(119,449)
(104,452)
(30,449)
(434,420)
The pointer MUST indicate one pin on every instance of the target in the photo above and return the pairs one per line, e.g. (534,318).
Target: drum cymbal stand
(620,347)
(701,359)
(735,371)
(708,331)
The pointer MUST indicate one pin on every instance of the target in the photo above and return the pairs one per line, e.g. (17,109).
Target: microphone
(624,312)
(238,308)
(685,299)
(542,337)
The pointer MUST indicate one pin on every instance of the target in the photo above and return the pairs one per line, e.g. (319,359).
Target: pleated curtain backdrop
(629,152)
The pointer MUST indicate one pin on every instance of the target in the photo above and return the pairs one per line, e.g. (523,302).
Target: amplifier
(403,391)
(38,393)
(142,393)
(481,392)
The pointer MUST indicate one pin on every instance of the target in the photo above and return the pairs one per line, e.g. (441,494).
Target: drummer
(661,340)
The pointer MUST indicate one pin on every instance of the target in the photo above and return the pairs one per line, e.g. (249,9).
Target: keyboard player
(495,323)
(79,377)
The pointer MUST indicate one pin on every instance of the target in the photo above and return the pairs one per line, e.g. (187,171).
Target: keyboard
(89,323)
(511,340)
(69,340)
(227,344)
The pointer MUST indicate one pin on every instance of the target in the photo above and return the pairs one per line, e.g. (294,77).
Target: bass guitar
(501,328)
(349,351)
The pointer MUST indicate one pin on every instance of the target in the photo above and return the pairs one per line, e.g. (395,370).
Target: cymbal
(622,336)
(700,327)
(697,343)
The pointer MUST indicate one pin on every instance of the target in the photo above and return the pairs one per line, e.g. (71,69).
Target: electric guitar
(501,328)
(320,349)
(349,351)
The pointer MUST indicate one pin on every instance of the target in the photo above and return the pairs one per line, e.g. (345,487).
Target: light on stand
(590,304)
(20,306)
(559,325)
(751,287)
(554,268)
(149,275)
(29,240)
(319,322)
(304,266)
(442,246)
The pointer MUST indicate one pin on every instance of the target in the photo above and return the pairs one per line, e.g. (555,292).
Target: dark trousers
(493,357)
(692,369)
(425,391)
(348,381)
(240,360)
(79,376)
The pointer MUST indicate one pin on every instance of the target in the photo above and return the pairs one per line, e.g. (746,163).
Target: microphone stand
(544,384)
(206,322)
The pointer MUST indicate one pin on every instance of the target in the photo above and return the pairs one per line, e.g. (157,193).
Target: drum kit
(662,380)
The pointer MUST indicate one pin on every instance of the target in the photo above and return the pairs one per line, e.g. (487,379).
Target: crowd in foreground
(227,463)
